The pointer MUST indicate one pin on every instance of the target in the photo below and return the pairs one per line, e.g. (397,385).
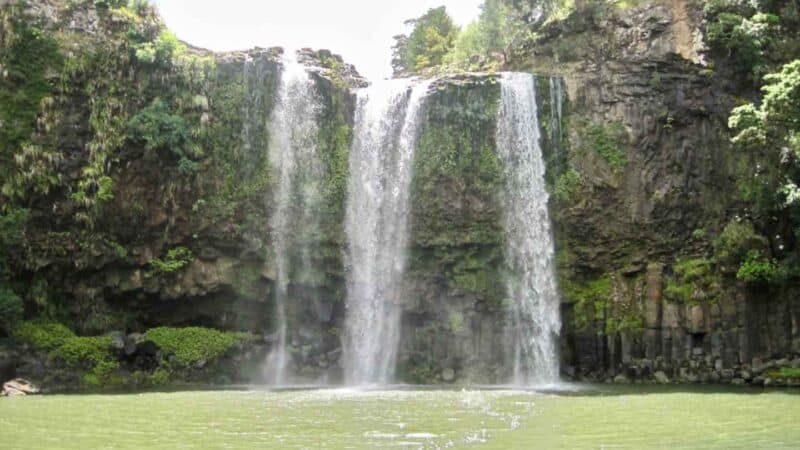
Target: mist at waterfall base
(376,225)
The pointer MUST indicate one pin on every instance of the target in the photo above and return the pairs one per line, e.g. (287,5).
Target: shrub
(693,280)
(567,185)
(84,351)
(785,372)
(42,335)
(735,242)
(193,344)
(756,269)
(103,374)
(159,129)
(175,260)
(606,141)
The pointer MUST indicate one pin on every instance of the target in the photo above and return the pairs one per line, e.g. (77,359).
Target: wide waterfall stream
(377,226)
(298,169)
(531,281)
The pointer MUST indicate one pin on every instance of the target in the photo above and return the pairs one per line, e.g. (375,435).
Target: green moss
(27,54)
(193,344)
(589,299)
(606,140)
(594,307)
(456,159)
(693,281)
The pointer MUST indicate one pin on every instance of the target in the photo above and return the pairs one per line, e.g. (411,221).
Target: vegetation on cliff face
(456,159)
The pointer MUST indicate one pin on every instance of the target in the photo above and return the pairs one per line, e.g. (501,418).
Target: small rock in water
(19,387)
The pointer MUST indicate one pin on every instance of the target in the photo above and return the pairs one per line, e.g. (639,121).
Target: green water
(593,418)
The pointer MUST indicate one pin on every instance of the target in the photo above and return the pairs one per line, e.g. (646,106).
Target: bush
(42,335)
(175,260)
(606,141)
(84,351)
(785,372)
(757,270)
(567,185)
(194,344)
(159,129)
(737,239)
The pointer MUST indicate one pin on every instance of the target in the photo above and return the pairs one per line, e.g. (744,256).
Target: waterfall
(531,278)
(298,171)
(556,101)
(376,226)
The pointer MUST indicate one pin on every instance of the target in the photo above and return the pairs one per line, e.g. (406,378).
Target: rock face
(629,233)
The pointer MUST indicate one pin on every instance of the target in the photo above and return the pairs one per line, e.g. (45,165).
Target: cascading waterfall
(298,170)
(531,279)
(376,226)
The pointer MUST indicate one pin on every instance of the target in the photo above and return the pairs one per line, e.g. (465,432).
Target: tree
(771,132)
(431,38)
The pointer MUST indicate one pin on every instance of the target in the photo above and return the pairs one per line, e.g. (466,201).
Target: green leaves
(158,128)
(194,344)
(175,260)
(431,39)
(606,140)
(757,270)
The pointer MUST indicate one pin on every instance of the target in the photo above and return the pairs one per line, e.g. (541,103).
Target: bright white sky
(359,30)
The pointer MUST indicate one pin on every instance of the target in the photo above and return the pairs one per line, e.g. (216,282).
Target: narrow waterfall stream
(531,279)
(298,170)
(556,112)
(376,226)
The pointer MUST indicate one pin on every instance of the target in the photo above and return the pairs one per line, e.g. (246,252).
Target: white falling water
(531,279)
(296,165)
(376,226)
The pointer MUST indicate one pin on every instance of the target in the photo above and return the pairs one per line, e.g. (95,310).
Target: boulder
(661,377)
(18,387)
(448,374)
(621,379)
